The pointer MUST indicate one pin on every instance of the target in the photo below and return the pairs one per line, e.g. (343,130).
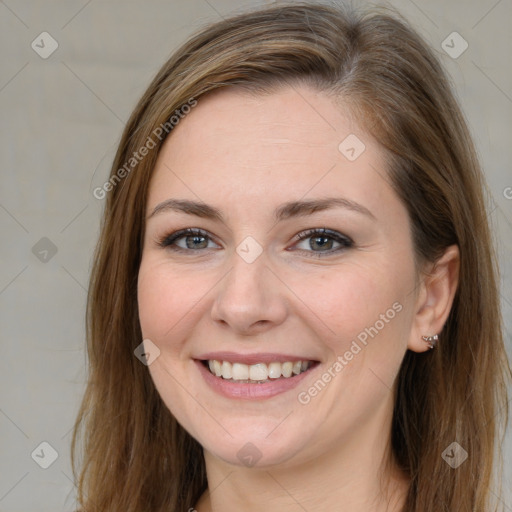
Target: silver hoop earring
(431,340)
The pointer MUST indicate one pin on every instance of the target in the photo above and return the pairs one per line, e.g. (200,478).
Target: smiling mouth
(257,373)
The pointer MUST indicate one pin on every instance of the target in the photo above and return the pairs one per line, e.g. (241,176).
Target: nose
(250,299)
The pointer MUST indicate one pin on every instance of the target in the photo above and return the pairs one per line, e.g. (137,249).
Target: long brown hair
(129,453)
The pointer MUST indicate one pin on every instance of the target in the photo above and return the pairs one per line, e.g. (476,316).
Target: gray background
(61,119)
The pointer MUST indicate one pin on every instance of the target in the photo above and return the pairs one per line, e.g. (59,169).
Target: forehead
(289,115)
(288,143)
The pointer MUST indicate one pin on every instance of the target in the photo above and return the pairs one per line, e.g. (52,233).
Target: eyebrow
(283,212)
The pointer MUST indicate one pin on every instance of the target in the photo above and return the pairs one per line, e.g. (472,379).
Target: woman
(294,300)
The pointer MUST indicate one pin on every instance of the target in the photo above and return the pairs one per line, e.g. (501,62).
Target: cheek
(166,303)
(348,299)
(361,316)
(165,299)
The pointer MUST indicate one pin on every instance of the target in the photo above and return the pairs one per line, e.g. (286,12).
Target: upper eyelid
(322,231)
(181,233)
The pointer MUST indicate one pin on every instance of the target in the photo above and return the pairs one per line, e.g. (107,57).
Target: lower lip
(246,391)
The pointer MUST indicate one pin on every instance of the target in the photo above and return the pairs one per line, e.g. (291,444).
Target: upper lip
(261,357)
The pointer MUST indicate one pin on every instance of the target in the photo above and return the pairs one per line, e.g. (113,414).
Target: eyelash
(345,242)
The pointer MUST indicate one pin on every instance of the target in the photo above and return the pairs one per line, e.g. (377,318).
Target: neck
(358,474)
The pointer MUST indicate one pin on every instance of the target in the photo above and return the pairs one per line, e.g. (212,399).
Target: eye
(189,239)
(316,242)
(323,242)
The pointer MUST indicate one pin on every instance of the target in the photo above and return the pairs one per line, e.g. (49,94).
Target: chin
(253,447)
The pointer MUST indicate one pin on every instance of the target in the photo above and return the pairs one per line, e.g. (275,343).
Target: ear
(435,298)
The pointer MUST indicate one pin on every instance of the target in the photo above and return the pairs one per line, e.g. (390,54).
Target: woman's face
(304,336)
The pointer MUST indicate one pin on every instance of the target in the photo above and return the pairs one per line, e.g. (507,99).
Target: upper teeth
(256,372)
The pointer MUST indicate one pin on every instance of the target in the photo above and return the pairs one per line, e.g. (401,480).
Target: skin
(246,155)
